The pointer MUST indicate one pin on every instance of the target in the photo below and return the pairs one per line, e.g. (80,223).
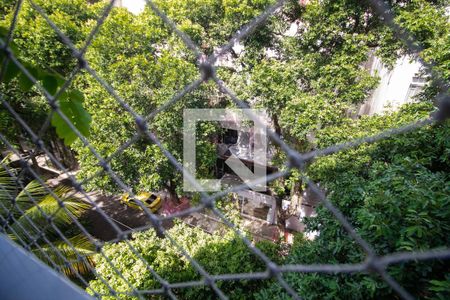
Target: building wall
(396,87)
(134,6)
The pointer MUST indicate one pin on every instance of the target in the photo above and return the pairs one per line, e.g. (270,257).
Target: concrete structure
(397,86)
(239,138)
(252,204)
(258,205)
(24,277)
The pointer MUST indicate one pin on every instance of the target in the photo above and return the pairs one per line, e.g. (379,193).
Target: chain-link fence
(36,232)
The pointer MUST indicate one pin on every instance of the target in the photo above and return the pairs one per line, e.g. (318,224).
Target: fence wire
(36,233)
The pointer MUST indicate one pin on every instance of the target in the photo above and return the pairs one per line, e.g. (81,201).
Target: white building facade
(397,86)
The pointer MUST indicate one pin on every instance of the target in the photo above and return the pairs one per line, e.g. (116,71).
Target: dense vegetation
(395,192)
(164,258)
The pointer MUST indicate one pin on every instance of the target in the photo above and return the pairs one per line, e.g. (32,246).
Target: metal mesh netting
(36,232)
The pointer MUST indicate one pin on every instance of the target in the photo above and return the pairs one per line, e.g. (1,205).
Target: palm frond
(73,204)
(31,208)
(8,188)
(79,257)
(30,194)
(49,206)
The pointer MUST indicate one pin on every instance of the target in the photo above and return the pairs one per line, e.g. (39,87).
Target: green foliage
(39,45)
(71,105)
(26,211)
(430,26)
(147,65)
(70,101)
(217,254)
(318,76)
(212,23)
(441,288)
(396,193)
(126,53)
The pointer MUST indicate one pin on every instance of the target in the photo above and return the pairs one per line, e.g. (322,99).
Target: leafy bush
(216,253)
(396,193)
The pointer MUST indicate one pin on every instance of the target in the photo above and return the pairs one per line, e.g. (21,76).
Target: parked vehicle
(151,200)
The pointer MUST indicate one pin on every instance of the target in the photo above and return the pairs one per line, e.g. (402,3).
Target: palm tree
(26,209)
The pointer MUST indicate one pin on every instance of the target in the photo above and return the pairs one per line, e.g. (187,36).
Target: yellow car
(150,200)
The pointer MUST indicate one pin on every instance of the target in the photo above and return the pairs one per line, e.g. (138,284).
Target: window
(415,88)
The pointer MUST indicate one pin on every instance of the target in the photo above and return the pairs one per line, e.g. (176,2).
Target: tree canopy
(167,261)
(394,192)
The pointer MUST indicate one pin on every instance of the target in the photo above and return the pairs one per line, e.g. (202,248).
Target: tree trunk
(276,125)
(172,192)
(296,199)
(63,154)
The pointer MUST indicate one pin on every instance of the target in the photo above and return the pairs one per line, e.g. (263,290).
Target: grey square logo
(253,151)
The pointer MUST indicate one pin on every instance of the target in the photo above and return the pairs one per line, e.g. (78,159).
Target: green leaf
(63,130)
(50,83)
(80,245)
(71,105)
(81,117)
(11,71)
(59,79)
(76,95)
(3,31)
(25,83)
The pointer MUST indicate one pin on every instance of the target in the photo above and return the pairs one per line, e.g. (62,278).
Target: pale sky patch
(134,6)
